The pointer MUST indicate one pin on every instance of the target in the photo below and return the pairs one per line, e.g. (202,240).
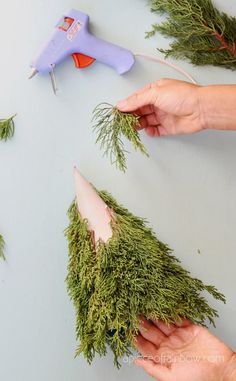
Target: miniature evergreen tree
(201,33)
(131,273)
(112,126)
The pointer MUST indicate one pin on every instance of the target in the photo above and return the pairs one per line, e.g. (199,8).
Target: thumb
(138,100)
(159,372)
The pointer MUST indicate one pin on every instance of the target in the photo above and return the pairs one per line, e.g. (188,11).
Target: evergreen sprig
(202,34)
(133,274)
(111,125)
(7,128)
(2,246)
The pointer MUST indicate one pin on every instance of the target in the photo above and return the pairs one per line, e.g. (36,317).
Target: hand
(166,107)
(184,352)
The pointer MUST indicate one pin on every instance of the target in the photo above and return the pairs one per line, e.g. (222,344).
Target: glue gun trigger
(82,61)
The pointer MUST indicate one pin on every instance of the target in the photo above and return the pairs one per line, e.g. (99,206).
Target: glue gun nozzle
(33,73)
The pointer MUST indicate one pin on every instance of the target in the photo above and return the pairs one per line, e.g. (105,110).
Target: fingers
(144,97)
(184,323)
(150,124)
(144,347)
(148,120)
(145,110)
(153,131)
(169,329)
(166,329)
(159,372)
(138,100)
(151,333)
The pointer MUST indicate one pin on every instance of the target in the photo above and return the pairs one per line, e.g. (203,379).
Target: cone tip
(76,171)
(79,179)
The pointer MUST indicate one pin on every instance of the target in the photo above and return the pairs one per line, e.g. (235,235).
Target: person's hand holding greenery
(171,107)
(184,352)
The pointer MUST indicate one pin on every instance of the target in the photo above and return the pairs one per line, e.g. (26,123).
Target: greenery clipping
(133,274)
(202,34)
(111,125)
(7,128)
(2,245)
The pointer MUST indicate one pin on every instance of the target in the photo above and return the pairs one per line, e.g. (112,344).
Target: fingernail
(122,105)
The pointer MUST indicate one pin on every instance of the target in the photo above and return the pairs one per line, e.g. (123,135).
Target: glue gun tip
(33,73)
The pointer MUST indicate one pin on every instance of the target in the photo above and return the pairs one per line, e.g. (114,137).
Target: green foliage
(2,245)
(7,128)
(201,33)
(111,125)
(133,274)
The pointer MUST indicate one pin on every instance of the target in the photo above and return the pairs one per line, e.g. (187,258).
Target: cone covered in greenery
(118,270)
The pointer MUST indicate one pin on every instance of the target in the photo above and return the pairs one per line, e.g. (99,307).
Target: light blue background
(187,189)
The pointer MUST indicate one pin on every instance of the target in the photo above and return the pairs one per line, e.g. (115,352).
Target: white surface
(187,189)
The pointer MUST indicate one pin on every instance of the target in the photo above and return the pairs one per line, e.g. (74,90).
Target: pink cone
(92,208)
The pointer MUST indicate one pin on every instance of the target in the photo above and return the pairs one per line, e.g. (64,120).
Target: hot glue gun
(72,38)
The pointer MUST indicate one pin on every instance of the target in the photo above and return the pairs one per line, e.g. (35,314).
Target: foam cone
(92,208)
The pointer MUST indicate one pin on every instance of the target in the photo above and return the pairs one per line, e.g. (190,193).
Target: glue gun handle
(119,58)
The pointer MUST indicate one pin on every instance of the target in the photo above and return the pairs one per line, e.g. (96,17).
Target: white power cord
(167,63)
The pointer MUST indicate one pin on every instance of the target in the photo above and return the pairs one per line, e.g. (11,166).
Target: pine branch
(111,125)
(7,128)
(2,246)
(133,274)
(202,34)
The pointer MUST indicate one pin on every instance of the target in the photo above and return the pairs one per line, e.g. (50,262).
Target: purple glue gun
(72,38)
